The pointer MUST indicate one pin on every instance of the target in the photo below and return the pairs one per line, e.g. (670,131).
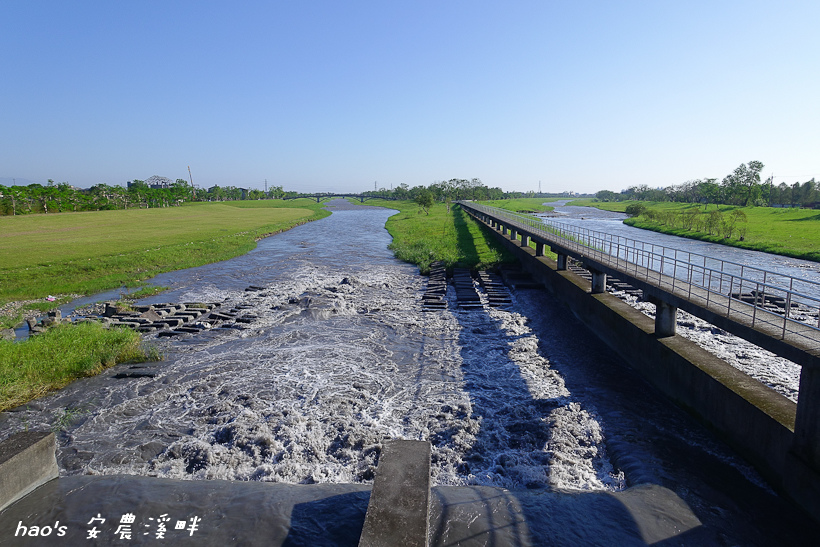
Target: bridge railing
(785,305)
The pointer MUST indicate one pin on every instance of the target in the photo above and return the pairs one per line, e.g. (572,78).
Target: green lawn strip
(64,353)
(616,206)
(84,253)
(522,205)
(784,231)
(453,238)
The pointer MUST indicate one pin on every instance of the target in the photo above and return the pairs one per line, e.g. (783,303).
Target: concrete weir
(755,420)
(399,509)
(26,461)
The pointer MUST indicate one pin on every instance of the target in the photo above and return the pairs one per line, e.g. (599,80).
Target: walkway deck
(700,290)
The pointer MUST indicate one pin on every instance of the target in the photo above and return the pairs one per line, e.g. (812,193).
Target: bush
(635,209)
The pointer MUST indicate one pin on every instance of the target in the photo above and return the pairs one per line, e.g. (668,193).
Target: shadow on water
(684,487)
(512,433)
(515,447)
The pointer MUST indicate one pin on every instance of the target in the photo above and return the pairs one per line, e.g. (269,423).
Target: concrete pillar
(806,443)
(539,248)
(513,234)
(598,282)
(399,508)
(504,229)
(665,318)
(562,261)
(525,240)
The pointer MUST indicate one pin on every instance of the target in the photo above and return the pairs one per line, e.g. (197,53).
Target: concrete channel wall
(754,419)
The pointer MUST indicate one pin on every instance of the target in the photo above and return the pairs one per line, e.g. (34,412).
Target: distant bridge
(322,197)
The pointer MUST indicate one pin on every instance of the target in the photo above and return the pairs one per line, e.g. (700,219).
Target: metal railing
(784,306)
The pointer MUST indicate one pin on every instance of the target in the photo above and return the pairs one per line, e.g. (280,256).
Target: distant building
(156,182)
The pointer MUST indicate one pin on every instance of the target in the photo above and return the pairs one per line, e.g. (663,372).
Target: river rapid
(342,358)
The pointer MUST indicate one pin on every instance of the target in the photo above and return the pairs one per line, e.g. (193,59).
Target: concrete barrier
(27,460)
(398,512)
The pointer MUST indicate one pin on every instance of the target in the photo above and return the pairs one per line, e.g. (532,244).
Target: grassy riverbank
(522,205)
(451,237)
(64,353)
(84,253)
(783,231)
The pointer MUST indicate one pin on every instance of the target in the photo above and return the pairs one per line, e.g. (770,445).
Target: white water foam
(334,366)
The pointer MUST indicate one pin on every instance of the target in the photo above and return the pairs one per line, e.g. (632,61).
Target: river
(342,358)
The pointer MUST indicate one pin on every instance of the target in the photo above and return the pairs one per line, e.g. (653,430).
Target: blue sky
(334,96)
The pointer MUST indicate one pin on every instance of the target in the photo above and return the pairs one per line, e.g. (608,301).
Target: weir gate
(777,312)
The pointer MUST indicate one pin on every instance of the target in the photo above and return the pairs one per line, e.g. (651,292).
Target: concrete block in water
(398,512)
(27,461)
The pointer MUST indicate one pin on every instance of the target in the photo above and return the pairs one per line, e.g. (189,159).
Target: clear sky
(336,95)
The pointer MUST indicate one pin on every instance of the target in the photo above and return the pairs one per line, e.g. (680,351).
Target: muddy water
(342,358)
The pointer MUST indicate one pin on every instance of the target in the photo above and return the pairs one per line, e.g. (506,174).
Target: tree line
(446,191)
(162,192)
(742,187)
(144,194)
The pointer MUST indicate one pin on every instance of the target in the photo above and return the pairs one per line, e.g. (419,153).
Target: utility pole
(193,190)
(771,189)
(374,185)
(266,186)
(539,186)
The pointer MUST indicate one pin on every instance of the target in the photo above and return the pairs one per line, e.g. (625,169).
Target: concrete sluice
(273,434)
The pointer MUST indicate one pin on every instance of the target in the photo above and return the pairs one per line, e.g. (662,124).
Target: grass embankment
(522,205)
(84,253)
(783,231)
(453,238)
(616,206)
(52,360)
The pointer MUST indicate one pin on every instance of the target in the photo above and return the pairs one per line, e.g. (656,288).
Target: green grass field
(84,253)
(453,238)
(522,205)
(783,231)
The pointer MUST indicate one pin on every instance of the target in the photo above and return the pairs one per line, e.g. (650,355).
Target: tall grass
(52,360)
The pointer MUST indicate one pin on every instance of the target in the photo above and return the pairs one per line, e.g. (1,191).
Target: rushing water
(342,358)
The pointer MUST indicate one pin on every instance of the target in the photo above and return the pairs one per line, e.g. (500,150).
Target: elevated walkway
(783,441)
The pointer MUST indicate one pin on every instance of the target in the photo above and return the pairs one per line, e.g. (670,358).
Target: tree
(635,209)
(607,195)
(743,185)
(424,198)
